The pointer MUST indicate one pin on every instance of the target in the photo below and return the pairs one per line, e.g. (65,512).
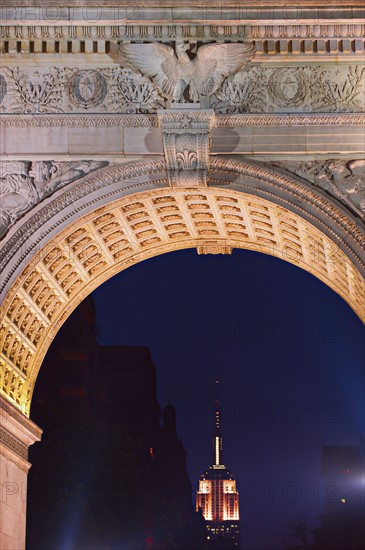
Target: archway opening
(290,359)
(107,240)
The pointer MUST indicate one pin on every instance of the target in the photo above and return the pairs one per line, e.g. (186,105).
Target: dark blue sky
(290,356)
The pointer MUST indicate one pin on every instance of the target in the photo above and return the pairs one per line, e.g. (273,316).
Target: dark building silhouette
(107,473)
(127,377)
(170,458)
(341,525)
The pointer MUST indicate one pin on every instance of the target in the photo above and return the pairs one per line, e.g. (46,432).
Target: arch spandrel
(112,237)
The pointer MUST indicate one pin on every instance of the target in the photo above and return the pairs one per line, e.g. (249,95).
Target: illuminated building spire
(217,432)
(217,496)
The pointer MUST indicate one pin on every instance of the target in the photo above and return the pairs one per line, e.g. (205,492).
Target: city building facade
(217,496)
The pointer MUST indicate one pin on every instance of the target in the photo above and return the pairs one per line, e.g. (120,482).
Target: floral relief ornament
(132,93)
(35,91)
(118,89)
(311,88)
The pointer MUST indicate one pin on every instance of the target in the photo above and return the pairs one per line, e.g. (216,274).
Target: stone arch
(124,214)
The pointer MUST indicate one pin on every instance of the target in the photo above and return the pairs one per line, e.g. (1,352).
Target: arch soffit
(158,219)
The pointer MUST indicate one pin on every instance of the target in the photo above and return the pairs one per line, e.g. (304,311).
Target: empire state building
(217,496)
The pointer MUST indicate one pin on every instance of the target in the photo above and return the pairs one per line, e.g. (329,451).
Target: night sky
(290,356)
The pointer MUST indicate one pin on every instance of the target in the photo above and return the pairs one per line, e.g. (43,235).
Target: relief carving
(17,192)
(214,247)
(287,86)
(186,142)
(308,89)
(34,92)
(132,93)
(24,184)
(337,90)
(253,89)
(343,179)
(180,78)
(3,88)
(88,89)
(65,90)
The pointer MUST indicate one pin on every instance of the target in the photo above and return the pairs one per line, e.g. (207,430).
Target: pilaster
(17,433)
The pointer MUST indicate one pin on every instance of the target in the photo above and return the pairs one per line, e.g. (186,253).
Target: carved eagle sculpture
(173,74)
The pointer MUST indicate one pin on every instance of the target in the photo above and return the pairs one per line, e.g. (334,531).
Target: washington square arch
(131,129)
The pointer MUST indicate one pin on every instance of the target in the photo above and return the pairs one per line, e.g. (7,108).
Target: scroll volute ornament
(186,136)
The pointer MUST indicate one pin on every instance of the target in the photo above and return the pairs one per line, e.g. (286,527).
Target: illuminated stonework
(91,181)
(140,226)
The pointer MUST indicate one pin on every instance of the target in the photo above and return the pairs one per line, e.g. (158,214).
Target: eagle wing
(214,62)
(157,61)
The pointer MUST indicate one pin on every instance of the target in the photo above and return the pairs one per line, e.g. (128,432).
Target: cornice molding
(279,43)
(172,3)
(15,422)
(134,121)
(78,120)
(173,10)
(17,433)
(291,120)
(231,30)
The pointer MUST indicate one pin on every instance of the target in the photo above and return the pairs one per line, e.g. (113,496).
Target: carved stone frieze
(186,142)
(296,89)
(257,89)
(67,90)
(35,91)
(23,184)
(343,179)
(131,92)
